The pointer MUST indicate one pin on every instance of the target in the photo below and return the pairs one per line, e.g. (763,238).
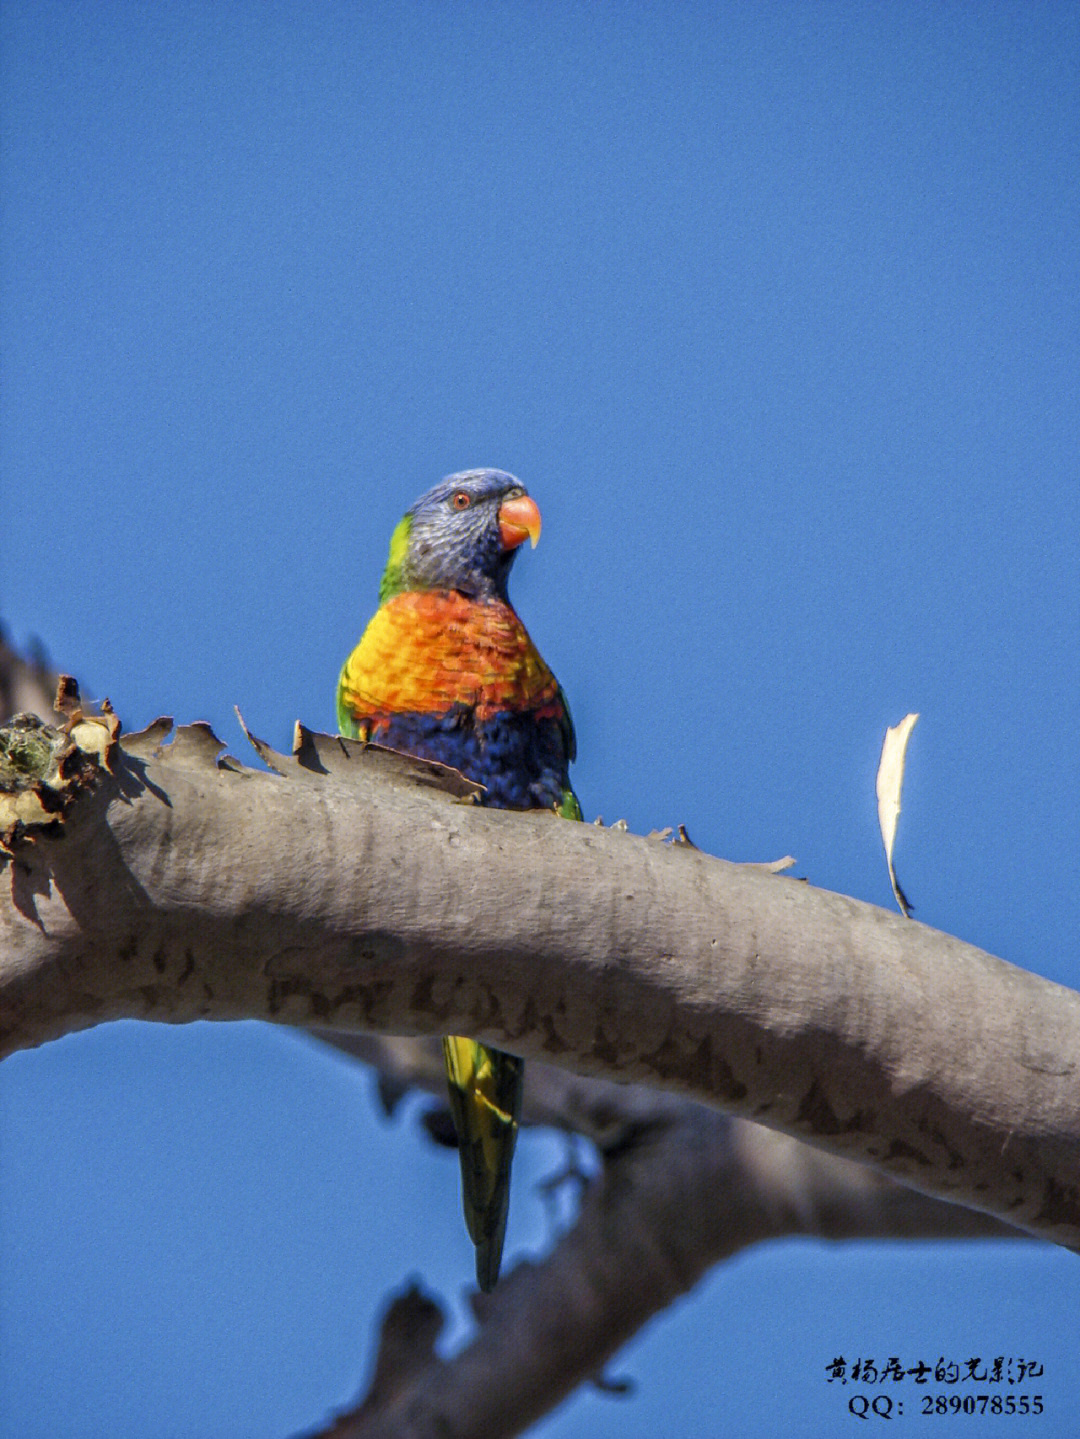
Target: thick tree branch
(351,890)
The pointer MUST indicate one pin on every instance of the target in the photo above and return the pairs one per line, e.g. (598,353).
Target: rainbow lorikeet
(446,671)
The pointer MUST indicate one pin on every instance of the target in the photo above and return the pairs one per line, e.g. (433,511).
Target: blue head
(462,535)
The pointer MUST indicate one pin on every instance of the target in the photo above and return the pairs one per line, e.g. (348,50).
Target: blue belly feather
(519,758)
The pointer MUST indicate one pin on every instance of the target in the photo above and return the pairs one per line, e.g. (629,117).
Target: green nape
(393,580)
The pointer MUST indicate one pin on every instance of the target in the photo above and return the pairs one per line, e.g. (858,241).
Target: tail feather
(485,1101)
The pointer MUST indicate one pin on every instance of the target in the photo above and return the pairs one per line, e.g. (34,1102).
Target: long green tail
(485,1100)
(486,1086)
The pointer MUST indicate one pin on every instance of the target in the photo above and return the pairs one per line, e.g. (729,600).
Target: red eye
(462,500)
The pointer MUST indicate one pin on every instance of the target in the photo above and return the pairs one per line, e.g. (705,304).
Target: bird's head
(462,535)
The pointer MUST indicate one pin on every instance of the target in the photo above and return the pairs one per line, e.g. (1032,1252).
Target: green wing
(485,1101)
(345,722)
(568,807)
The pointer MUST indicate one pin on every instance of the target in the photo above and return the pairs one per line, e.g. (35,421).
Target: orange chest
(424,653)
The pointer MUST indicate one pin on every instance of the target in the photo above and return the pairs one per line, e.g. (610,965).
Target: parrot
(446,671)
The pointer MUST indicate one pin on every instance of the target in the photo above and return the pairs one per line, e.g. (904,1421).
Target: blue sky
(774,308)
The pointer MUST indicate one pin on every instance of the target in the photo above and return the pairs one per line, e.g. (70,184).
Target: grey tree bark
(356,891)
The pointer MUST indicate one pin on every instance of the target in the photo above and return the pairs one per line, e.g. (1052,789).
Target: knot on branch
(44,768)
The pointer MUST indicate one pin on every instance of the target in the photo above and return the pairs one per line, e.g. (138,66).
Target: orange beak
(519,520)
